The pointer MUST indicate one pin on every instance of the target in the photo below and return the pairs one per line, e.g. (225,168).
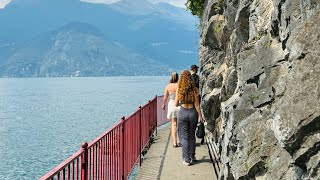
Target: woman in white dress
(170,93)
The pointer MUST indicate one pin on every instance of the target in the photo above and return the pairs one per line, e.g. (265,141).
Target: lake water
(44,120)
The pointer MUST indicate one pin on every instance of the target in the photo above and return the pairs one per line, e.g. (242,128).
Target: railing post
(140,137)
(84,162)
(150,124)
(123,149)
(156,113)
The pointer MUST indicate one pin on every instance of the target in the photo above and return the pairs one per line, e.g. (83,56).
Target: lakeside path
(163,162)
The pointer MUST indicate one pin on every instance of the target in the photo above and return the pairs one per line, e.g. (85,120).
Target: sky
(179,3)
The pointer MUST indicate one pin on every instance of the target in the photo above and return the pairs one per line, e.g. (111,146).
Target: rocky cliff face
(260,86)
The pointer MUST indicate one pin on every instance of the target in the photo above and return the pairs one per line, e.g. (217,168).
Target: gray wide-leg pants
(187,124)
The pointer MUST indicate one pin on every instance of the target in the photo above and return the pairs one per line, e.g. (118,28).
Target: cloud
(101,1)
(3,3)
(178,3)
(186,52)
(159,43)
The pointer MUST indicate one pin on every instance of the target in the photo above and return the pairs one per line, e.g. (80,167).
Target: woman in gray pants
(187,97)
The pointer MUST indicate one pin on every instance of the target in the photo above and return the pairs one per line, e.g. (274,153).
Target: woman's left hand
(164,107)
(201,119)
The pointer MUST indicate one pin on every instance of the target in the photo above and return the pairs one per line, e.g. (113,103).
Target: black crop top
(186,102)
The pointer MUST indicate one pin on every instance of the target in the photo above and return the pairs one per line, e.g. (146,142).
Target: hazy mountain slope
(158,31)
(77,49)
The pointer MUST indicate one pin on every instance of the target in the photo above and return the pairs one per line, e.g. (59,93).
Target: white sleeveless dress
(172,109)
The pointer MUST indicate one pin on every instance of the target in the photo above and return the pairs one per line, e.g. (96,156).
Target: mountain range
(49,38)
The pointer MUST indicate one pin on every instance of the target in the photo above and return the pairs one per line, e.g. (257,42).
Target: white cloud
(179,3)
(3,3)
(159,43)
(186,52)
(101,1)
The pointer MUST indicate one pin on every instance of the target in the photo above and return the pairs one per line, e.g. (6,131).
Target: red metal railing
(113,154)
(162,114)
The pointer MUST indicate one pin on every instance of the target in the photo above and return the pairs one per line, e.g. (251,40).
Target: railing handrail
(148,102)
(140,107)
(103,134)
(65,163)
(149,111)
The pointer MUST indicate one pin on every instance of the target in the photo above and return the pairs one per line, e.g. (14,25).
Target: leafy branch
(195,6)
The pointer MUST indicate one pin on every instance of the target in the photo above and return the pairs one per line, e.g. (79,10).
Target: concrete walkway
(163,162)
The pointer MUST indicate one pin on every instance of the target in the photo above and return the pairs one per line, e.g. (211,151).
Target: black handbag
(200,131)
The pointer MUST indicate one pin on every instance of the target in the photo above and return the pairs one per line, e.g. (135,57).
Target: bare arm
(165,98)
(197,105)
(176,100)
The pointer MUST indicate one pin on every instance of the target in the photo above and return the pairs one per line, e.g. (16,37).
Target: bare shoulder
(175,86)
(168,86)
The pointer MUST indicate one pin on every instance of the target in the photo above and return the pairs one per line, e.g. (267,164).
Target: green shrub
(218,6)
(195,6)
(217,29)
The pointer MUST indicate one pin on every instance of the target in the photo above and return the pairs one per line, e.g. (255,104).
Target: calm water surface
(44,120)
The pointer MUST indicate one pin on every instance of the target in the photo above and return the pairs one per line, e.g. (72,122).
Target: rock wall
(260,86)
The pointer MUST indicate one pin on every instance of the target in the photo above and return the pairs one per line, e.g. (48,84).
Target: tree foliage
(195,6)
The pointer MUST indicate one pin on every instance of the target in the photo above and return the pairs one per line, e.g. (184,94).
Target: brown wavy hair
(174,77)
(186,87)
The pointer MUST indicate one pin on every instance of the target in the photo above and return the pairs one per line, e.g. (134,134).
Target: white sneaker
(185,163)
